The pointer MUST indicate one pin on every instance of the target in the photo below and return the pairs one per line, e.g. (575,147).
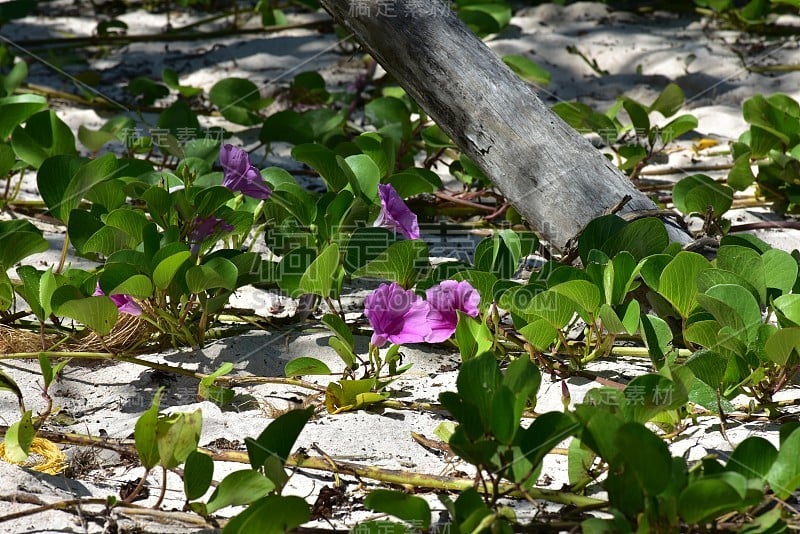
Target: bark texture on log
(554,177)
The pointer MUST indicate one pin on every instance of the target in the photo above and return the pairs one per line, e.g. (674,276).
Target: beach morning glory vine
(124,303)
(400,316)
(394,214)
(240,174)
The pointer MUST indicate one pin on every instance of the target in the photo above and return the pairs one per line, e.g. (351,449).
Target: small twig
(701,243)
(685,170)
(228,381)
(60,505)
(456,200)
(722,421)
(571,248)
(499,211)
(103,356)
(326,456)
(12,317)
(408,405)
(616,208)
(764,225)
(433,445)
(592,63)
(233,381)
(162,517)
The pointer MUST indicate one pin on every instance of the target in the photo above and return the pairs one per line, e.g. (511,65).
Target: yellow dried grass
(44,456)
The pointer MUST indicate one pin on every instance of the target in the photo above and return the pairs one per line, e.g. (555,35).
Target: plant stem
(319,463)
(669,171)
(775,68)
(163,488)
(643,352)
(233,381)
(403,405)
(64,250)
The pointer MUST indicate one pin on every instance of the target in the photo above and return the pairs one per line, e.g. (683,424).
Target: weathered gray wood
(554,177)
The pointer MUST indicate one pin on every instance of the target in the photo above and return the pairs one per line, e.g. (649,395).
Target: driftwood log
(553,176)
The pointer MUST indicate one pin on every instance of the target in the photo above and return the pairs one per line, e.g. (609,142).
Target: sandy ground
(641,57)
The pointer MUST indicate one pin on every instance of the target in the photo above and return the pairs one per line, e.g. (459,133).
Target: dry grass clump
(13,340)
(130,334)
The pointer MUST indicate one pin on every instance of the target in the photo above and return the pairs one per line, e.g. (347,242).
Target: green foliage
(403,262)
(44,135)
(166,440)
(146,91)
(18,240)
(16,9)
(400,505)
(207,389)
(699,194)
(16,109)
(772,145)
(753,15)
(488,406)
(527,69)
(238,100)
(172,441)
(484,17)
(641,140)
(7,384)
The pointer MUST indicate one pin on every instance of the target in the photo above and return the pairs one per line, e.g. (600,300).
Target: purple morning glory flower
(396,315)
(124,303)
(445,299)
(394,214)
(240,175)
(203,227)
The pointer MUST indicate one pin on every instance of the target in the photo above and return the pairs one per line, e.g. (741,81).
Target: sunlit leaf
(239,487)
(178,435)
(527,69)
(18,439)
(306,366)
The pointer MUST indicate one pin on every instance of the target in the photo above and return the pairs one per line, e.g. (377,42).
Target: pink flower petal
(124,303)
(445,300)
(396,315)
